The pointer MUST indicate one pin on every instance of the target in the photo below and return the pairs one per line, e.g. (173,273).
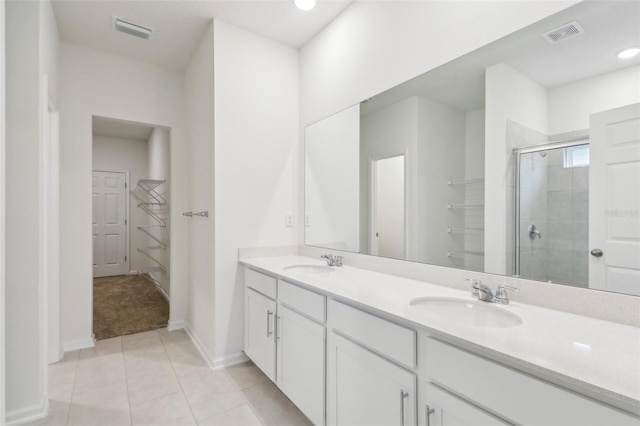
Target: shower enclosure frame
(577,140)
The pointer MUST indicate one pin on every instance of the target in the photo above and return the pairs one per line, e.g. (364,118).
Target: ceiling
(609,27)
(120,129)
(180,24)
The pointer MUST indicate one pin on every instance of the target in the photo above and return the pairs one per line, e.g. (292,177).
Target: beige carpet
(127,304)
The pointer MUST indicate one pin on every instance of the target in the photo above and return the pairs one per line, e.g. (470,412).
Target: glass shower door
(551,211)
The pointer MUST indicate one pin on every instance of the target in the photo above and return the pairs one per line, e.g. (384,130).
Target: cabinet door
(366,389)
(445,409)
(300,348)
(259,336)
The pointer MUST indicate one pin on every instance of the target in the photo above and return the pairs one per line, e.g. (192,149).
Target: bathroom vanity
(350,346)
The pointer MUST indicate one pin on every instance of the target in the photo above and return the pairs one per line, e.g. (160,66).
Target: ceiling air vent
(566,31)
(131,28)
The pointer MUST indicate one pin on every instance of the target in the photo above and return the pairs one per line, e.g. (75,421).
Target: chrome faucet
(481,291)
(484,293)
(501,294)
(332,260)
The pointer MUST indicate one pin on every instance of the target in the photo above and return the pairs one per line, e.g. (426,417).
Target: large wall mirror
(521,158)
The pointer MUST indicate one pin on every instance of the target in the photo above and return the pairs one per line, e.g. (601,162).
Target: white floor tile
(167,410)
(107,405)
(210,393)
(239,416)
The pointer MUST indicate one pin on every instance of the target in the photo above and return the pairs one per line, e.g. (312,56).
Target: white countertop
(590,355)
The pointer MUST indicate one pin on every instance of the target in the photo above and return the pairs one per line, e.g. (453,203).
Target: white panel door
(109,224)
(388,207)
(259,335)
(300,353)
(445,409)
(614,200)
(365,389)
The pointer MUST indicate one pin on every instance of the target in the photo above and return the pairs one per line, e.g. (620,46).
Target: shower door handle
(596,253)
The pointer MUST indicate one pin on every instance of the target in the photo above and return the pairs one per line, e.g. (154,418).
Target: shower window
(576,156)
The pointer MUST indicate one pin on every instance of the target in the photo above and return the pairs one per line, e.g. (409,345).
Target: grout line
(179,381)
(242,394)
(73,387)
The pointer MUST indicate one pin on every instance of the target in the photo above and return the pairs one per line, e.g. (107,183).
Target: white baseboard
(198,343)
(74,345)
(28,414)
(229,360)
(176,325)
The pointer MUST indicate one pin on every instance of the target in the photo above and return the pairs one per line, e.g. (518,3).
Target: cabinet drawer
(385,337)
(260,282)
(515,396)
(302,300)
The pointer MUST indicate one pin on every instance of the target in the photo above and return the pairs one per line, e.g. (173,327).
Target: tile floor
(159,378)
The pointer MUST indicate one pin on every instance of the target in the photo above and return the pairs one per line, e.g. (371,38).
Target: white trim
(52,221)
(214,363)
(43,236)
(228,361)
(175,324)
(30,413)
(74,345)
(2,209)
(198,343)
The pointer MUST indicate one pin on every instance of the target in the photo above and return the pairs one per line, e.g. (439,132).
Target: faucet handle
(501,293)
(474,282)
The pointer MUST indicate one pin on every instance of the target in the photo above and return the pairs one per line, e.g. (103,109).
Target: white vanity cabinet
(466,389)
(285,338)
(364,386)
(301,348)
(259,336)
(343,363)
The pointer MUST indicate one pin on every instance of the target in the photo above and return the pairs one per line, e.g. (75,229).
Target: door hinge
(125,258)
(125,185)
(126,221)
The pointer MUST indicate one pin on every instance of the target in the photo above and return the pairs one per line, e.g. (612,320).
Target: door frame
(127,214)
(373,242)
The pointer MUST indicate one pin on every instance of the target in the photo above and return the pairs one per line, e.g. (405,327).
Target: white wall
(159,162)
(2,210)
(331,181)
(388,132)
(126,155)
(199,98)
(505,89)
(107,85)
(441,149)
(31,52)
(474,193)
(570,106)
(373,46)
(256,137)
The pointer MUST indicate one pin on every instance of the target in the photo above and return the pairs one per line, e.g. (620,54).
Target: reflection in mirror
(521,158)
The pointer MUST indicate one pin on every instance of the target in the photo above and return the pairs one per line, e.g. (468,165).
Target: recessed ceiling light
(628,53)
(305,4)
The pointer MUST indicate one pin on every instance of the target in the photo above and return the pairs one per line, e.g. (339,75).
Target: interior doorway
(388,207)
(131,284)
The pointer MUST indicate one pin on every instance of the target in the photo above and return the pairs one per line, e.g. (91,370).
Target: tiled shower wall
(567,221)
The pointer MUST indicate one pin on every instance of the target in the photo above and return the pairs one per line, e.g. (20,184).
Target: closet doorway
(130,195)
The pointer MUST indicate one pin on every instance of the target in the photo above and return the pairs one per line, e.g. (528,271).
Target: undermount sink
(461,311)
(310,269)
